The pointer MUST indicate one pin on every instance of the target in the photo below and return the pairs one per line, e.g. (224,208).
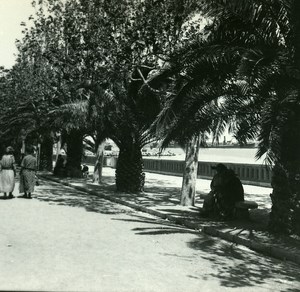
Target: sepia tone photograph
(150,145)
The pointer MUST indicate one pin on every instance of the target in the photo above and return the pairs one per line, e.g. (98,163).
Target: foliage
(246,64)
(259,87)
(89,64)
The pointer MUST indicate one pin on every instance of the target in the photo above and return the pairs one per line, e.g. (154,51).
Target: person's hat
(219,167)
(9,149)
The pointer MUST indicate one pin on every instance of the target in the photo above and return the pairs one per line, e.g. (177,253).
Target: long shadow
(232,266)
(66,196)
(162,226)
(152,196)
(54,193)
(160,231)
(249,269)
(69,197)
(255,228)
(160,198)
(169,193)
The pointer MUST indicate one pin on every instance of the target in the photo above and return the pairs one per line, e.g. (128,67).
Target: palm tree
(260,39)
(270,66)
(130,42)
(124,117)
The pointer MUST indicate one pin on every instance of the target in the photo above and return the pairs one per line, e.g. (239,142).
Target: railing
(252,174)
(248,173)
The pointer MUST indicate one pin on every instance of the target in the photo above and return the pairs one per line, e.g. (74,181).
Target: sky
(12,13)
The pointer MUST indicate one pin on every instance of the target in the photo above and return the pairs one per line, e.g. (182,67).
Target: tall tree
(103,55)
(262,40)
(127,43)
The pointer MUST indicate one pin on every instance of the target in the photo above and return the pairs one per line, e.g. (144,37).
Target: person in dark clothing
(59,169)
(85,171)
(226,190)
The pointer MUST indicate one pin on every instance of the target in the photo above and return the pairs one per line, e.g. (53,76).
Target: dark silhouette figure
(226,190)
(85,171)
(59,169)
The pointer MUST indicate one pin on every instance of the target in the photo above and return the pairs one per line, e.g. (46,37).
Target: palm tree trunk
(46,154)
(285,213)
(296,181)
(74,141)
(129,171)
(282,201)
(188,189)
(296,24)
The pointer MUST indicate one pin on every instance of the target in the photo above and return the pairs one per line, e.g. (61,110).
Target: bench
(242,209)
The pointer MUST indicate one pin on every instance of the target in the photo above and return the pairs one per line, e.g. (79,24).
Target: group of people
(8,173)
(226,191)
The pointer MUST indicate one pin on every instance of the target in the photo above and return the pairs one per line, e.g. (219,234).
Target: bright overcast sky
(12,13)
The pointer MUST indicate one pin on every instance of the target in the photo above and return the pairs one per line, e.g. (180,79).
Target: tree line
(177,70)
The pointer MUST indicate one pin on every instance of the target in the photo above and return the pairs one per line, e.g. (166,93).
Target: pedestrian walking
(28,173)
(7,173)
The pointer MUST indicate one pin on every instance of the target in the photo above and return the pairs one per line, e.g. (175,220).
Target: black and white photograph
(150,145)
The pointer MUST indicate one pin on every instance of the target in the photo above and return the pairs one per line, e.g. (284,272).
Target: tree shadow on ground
(249,269)
(161,196)
(168,199)
(167,203)
(69,197)
(163,226)
(234,267)
(169,194)
(152,196)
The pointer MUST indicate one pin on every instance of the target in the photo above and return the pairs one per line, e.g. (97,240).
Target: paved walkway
(162,197)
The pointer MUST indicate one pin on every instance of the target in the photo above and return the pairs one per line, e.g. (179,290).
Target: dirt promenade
(67,240)
(161,198)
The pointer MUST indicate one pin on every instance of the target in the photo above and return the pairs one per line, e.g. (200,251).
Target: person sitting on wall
(226,190)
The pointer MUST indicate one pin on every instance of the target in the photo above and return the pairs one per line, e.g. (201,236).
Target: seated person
(85,171)
(226,190)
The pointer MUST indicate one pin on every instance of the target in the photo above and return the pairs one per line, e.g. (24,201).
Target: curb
(265,249)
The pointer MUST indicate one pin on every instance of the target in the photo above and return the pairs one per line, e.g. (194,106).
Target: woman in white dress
(7,173)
